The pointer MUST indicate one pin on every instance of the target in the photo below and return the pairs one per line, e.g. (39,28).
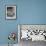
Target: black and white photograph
(11,12)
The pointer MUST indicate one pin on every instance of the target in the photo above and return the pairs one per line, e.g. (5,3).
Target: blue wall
(28,12)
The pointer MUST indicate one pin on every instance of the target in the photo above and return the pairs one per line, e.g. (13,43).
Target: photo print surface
(11,12)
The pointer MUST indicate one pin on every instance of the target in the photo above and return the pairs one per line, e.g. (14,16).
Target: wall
(28,12)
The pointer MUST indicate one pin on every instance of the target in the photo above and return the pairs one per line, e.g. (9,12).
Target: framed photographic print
(11,12)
